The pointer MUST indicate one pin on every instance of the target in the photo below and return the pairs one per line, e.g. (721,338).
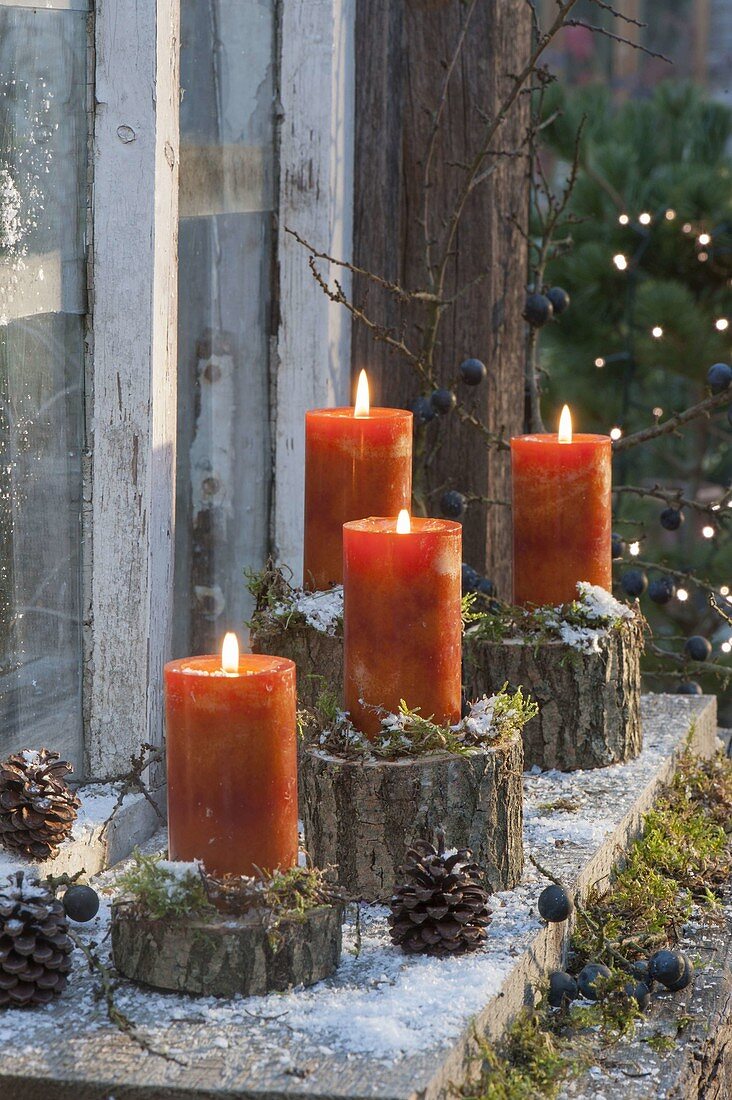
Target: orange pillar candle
(232,761)
(402,618)
(562,515)
(358,462)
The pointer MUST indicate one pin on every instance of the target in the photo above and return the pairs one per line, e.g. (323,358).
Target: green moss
(150,883)
(659,1043)
(528,1062)
(682,856)
(408,733)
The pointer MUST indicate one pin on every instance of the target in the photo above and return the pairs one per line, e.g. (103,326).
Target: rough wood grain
(318,656)
(132,404)
(589,703)
(311,367)
(229,956)
(362,816)
(401,52)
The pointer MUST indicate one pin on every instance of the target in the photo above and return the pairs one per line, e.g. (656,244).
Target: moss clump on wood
(161,890)
(409,734)
(537,625)
(276,602)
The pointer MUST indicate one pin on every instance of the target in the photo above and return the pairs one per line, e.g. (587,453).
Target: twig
(618,14)
(618,38)
(594,925)
(678,420)
(115,1016)
(670,496)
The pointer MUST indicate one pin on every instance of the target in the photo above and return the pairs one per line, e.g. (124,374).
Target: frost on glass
(42,305)
(226,203)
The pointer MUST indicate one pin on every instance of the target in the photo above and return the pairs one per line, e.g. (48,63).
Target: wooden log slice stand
(229,955)
(362,814)
(589,702)
(317,655)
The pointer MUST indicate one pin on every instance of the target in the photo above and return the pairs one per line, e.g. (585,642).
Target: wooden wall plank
(311,365)
(132,409)
(402,46)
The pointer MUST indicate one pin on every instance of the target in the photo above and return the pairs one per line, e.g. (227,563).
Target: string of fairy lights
(625,263)
(630,263)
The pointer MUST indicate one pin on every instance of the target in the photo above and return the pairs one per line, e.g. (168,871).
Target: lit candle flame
(565,426)
(404,523)
(362,396)
(230,653)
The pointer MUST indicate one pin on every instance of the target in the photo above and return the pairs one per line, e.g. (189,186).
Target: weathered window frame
(129,519)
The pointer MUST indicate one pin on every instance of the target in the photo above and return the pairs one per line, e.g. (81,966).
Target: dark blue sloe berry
(555,904)
(81,903)
(719,377)
(634,582)
(422,411)
(559,299)
(697,648)
(662,589)
(671,518)
(538,310)
(472,372)
(453,504)
(689,687)
(562,988)
(443,401)
(588,979)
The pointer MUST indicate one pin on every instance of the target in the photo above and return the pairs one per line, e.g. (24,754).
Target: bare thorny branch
(106,989)
(673,423)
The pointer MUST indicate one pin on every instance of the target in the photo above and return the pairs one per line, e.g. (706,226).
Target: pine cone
(35,952)
(442,907)
(37,808)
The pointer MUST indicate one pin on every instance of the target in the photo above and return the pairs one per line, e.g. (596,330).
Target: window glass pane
(225,243)
(43,176)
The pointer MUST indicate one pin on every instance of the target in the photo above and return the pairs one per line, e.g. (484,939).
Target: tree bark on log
(317,656)
(362,815)
(589,703)
(222,958)
(402,47)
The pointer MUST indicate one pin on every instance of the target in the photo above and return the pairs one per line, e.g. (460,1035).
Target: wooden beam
(401,50)
(311,365)
(132,403)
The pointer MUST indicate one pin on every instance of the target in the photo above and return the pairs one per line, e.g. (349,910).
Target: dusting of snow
(176,877)
(381,1010)
(28,889)
(321,610)
(479,721)
(598,603)
(31,756)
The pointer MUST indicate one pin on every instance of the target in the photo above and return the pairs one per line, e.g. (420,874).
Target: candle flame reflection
(362,396)
(230,653)
(404,523)
(565,426)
